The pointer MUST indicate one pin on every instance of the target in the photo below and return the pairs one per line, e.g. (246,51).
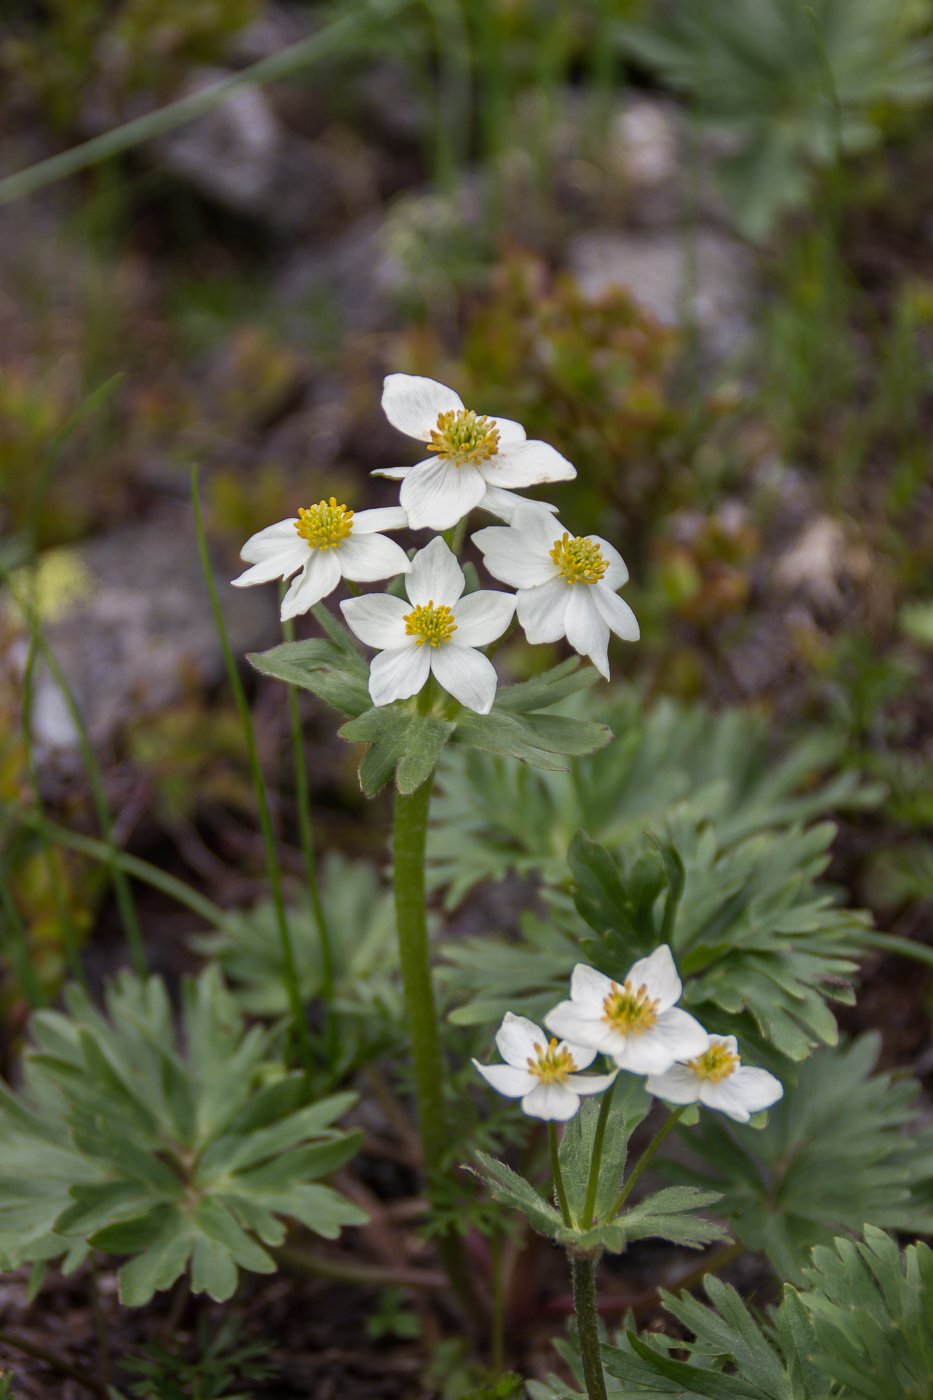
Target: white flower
(716,1078)
(566,585)
(474,456)
(636,1022)
(540,1072)
(325,542)
(437,630)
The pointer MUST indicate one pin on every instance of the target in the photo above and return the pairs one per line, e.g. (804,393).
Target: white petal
(411,403)
(467,675)
(675,1036)
(527,464)
(320,577)
(541,611)
(616,574)
(677,1084)
(397,674)
(616,613)
(392,473)
(368,522)
(514,556)
(378,619)
(581,1025)
(504,504)
(586,631)
(658,973)
(589,986)
(508,1079)
(582,1055)
(744,1092)
(509,430)
(516,1039)
(435,576)
(482,617)
(436,494)
(270,540)
(554,1103)
(371,557)
(291,556)
(545,529)
(590,1083)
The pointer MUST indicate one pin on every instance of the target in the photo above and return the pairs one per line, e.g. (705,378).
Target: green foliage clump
(221,1361)
(719,863)
(860,1328)
(793,85)
(180,1151)
(841,1148)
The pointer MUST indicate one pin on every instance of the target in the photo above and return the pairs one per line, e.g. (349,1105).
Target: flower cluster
(638,1025)
(565,584)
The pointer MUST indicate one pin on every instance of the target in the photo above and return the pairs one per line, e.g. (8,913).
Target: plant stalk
(583,1275)
(670,1122)
(557,1176)
(599,1137)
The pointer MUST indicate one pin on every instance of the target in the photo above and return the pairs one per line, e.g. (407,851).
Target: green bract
(861,1326)
(403,743)
(179,1151)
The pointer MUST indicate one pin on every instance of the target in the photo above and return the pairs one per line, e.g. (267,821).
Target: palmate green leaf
(335,675)
(514,1190)
(400,743)
(630,1106)
(860,1328)
(842,1148)
(181,1151)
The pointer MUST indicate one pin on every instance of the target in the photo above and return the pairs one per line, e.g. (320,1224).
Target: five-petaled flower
(542,1072)
(716,1078)
(566,584)
(436,630)
(327,541)
(635,1021)
(476,461)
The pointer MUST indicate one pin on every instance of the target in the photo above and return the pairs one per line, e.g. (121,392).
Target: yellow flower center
(580,560)
(716,1063)
(551,1065)
(434,625)
(464,438)
(629,1009)
(326,525)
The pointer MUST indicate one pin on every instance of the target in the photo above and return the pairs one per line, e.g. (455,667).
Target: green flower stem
(457,534)
(583,1274)
(17,946)
(599,1137)
(408,852)
(289,967)
(557,1175)
(670,1122)
(306,831)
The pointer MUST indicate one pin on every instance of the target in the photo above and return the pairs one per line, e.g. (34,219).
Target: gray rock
(135,630)
(704,277)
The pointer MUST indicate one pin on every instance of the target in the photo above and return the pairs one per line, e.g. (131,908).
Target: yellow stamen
(716,1063)
(464,438)
(326,525)
(580,559)
(434,625)
(551,1066)
(630,1010)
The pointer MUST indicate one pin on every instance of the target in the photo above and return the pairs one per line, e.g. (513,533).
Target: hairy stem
(599,1137)
(556,1174)
(670,1122)
(583,1274)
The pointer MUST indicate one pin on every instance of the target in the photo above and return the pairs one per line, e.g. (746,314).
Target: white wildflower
(635,1021)
(716,1078)
(542,1072)
(326,542)
(477,461)
(566,584)
(437,630)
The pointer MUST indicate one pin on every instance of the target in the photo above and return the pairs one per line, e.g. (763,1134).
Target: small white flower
(636,1022)
(540,1072)
(326,542)
(716,1078)
(474,456)
(566,585)
(437,630)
